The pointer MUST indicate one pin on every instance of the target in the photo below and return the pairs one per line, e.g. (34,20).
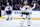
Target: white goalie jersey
(27,8)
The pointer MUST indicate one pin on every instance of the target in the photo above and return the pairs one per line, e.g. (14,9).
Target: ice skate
(7,19)
(11,19)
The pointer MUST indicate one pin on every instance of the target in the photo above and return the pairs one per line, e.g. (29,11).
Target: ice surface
(16,23)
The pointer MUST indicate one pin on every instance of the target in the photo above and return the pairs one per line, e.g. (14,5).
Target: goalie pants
(25,16)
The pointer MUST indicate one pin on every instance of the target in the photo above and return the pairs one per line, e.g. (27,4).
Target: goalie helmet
(25,2)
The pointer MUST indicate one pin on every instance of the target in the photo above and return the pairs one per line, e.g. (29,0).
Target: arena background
(35,15)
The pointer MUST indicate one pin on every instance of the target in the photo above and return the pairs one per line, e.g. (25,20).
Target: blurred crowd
(17,3)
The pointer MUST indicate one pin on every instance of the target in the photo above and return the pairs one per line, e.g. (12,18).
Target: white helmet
(25,2)
(7,3)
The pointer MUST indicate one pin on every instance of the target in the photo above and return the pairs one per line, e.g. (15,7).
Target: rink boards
(35,15)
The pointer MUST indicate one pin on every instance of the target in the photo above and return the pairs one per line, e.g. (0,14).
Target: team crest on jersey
(8,7)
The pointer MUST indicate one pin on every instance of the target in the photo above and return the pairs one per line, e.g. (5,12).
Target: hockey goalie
(26,9)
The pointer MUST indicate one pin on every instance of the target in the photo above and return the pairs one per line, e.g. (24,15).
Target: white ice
(16,23)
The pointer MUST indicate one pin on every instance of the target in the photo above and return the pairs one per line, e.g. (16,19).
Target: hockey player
(26,9)
(8,10)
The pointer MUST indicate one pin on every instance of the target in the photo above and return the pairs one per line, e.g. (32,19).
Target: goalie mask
(25,2)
